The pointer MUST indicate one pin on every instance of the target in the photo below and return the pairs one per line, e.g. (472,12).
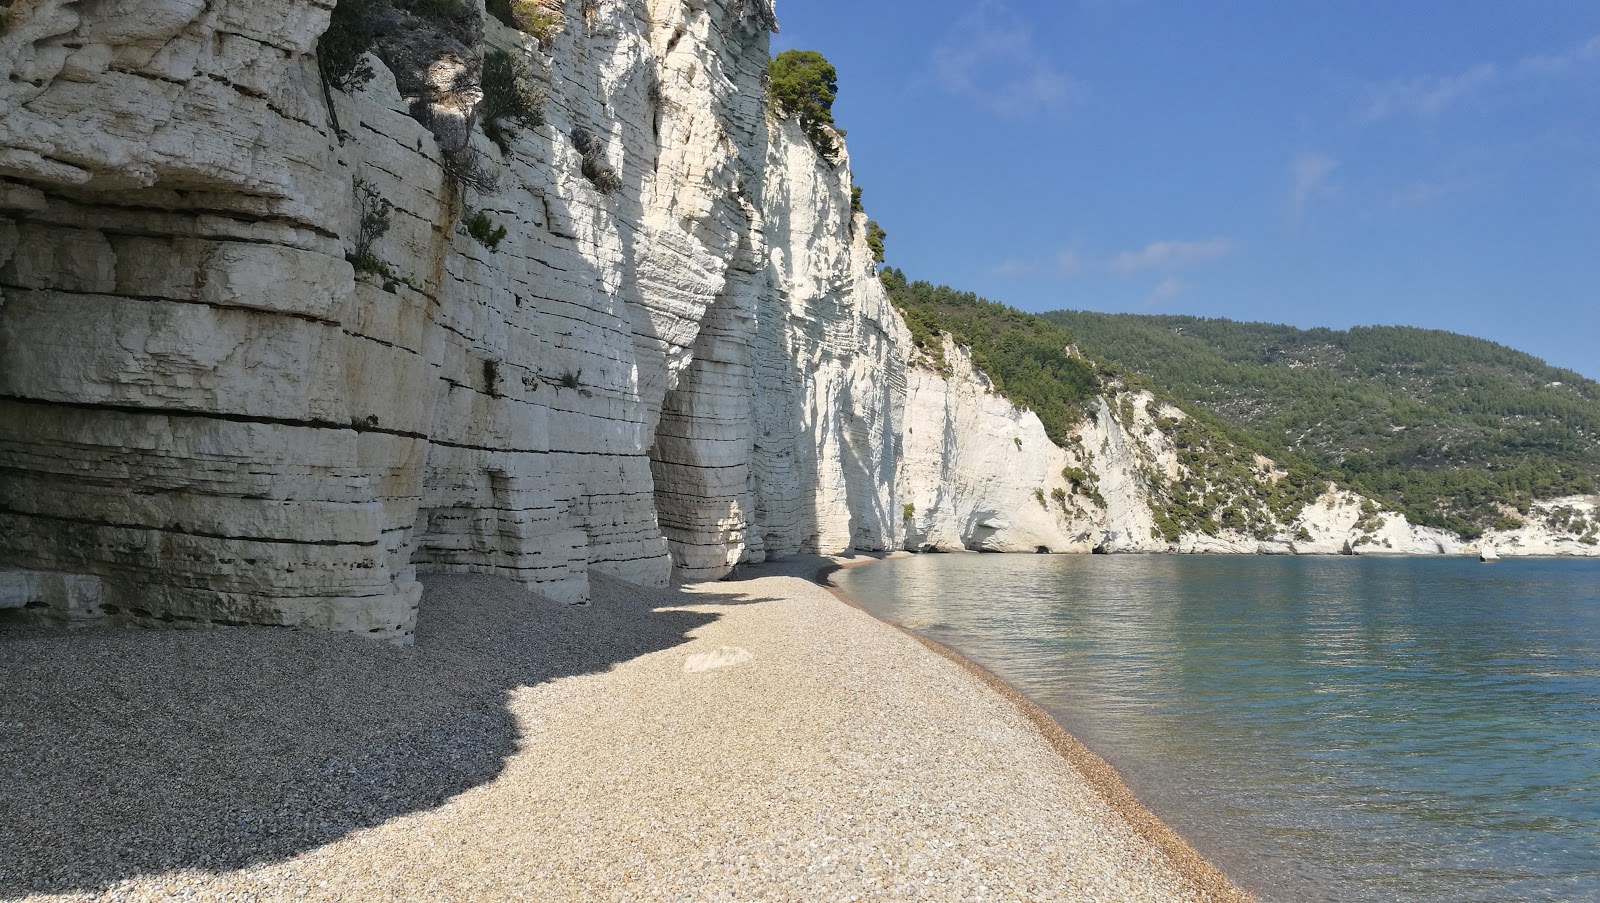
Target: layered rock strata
(210,413)
(209,410)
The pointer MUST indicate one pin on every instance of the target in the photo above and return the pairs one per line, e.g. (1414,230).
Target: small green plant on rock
(571,379)
(491,377)
(374,216)
(1038,496)
(481,227)
(540,18)
(908,510)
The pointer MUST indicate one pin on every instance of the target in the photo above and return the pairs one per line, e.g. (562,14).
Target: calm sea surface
(1418,729)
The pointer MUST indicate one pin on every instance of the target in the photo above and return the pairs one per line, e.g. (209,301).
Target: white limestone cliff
(234,425)
(829,368)
(1566,526)
(206,410)
(979,473)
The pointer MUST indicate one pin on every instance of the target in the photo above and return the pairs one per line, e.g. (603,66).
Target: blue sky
(1431,164)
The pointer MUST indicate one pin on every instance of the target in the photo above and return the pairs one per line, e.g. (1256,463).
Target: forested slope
(1025,357)
(1451,430)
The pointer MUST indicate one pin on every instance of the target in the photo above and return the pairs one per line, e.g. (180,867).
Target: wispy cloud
(1430,96)
(1169,254)
(1558,64)
(990,59)
(1423,193)
(1311,176)
(1170,287)
(1062,263)
(1159,255)
(1427,96)
(1428,191)
(1014,267)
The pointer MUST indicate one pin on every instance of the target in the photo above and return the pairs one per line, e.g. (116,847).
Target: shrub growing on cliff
(375,214)
(599,173)
(468,168)
(510,95)
(875,237)
(803,84)
(342,49)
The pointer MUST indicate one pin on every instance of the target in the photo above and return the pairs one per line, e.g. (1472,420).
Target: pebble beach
(754,739)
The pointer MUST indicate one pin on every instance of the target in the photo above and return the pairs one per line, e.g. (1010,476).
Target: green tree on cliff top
(804,84)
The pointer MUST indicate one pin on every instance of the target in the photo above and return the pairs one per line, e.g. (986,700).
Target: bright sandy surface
(748,740)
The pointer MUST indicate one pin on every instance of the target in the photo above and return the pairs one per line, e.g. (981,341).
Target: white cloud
(1557,64)
(990,59)
(1168,254)
(1068,262)
(1160,255)
(1429,96)
(1062,263)
(1311,174)
(1014,267)
(1170,287)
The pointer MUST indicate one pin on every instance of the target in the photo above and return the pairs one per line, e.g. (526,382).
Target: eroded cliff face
(212,417)
(979,473)
(829,357)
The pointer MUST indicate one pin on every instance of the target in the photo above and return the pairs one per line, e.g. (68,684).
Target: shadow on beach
(127,752)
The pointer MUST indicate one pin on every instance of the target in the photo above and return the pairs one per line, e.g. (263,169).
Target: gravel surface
(754,739)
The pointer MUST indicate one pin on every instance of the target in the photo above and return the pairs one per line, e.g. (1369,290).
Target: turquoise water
(1338,729)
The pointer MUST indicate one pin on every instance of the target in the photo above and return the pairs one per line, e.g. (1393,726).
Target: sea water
(1338,729)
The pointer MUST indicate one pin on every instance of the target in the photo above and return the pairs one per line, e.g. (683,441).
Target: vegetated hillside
(1025,357)
(1451,430)
(1221,483)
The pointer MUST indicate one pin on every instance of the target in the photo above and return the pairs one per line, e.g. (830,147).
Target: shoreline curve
(1100,775)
